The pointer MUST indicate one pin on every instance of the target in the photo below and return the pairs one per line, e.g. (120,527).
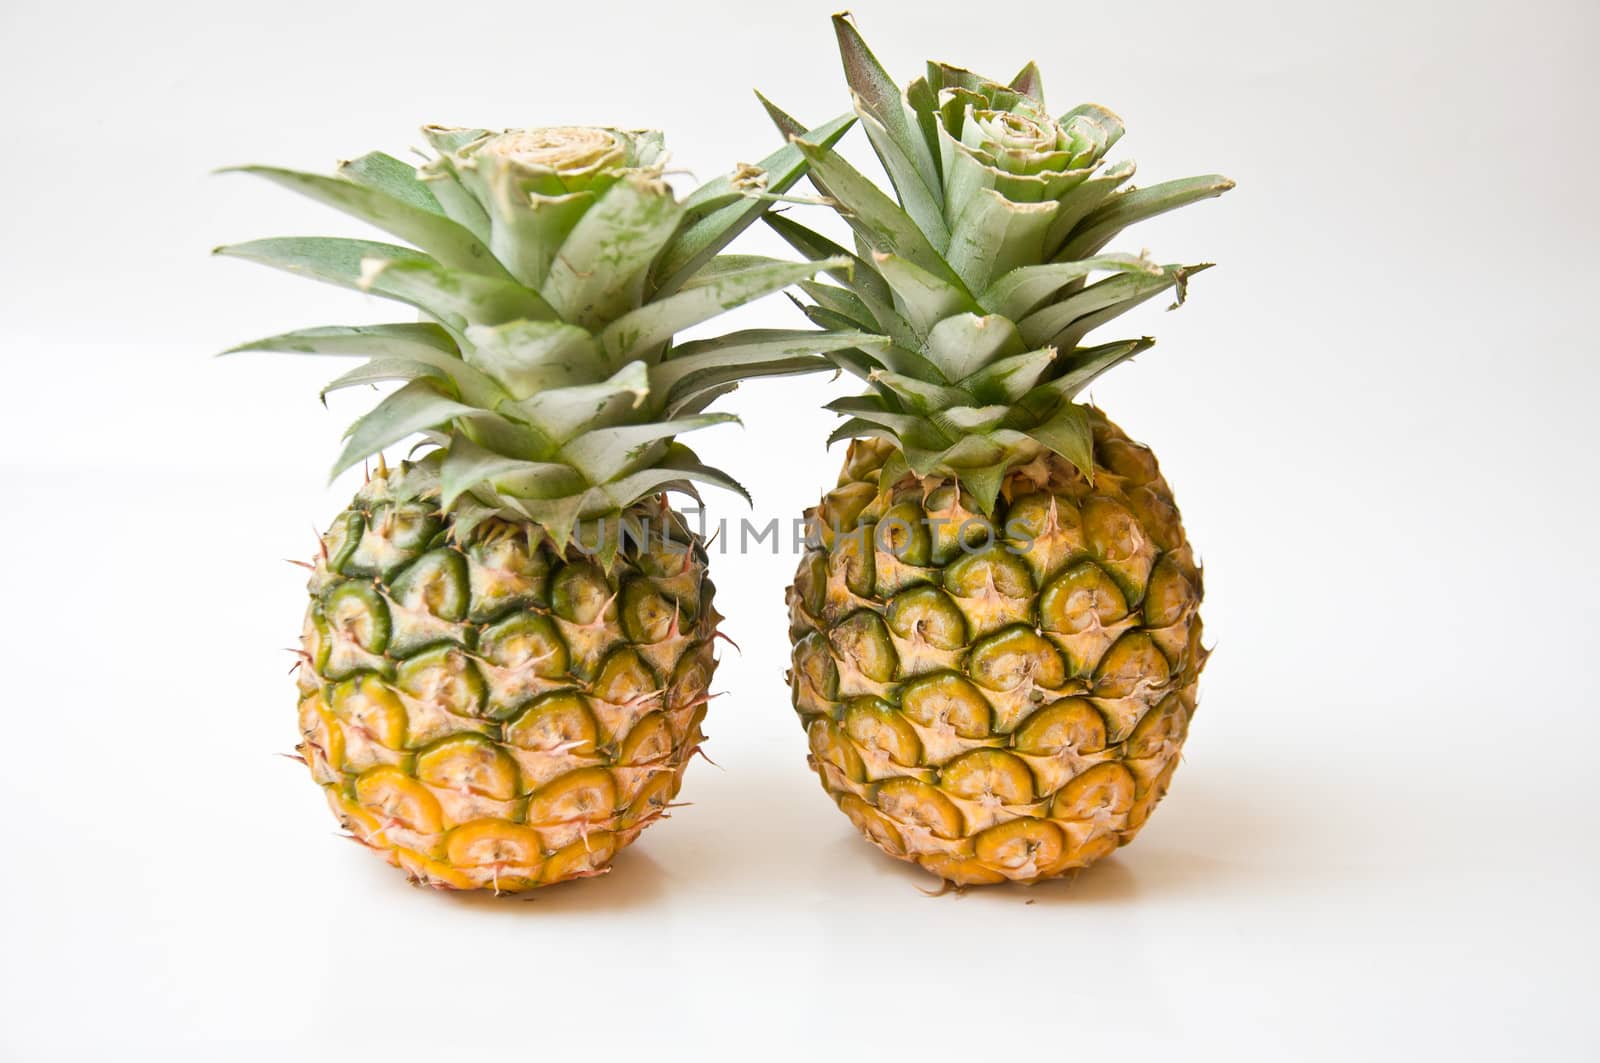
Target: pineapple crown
(551,269)
(985,272)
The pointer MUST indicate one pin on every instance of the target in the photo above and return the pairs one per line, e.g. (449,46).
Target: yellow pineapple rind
(530,713)
(1039,738)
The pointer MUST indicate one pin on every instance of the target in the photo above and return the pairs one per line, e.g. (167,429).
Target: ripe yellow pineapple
(488,710)
(996,636)
(508,644)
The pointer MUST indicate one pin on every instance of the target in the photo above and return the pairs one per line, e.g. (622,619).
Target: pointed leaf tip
(1029,83)
(787,124)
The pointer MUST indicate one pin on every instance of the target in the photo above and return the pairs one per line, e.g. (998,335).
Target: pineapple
(996,638)
(508,646)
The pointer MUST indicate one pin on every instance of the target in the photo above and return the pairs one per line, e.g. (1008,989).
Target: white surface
(1376,412)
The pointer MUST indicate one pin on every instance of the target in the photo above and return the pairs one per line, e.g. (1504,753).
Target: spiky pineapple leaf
(928,451)
(962,344)
(402,339)
(749,349)
(639,333)
(894,358)
(1074,333)
(1068,433)
(993,235)
(603,263)
(901,149)
(447,140)
(382,370)
(1130,207)
(871,410)
(559,518)
(674,470)
(1020,291)
(1029,82)
(467,465)
(1124,290)
(1008,379)
(919,394)
(1082,200)
(452,297)
(859,275)
(418,405)
(841,301)
(450,244)
(788,126)
(972,420)
(332,259)
(923,299)
(919,203)
(502,435)
(445,184)
(781,169)
(706,235)
(984,482)
(534,482)
(695,392)
(864,363)
(874,217)
(856,428)
(824,318)
(816,247)
(423,342)
(528,356)
(564,413)
(387,174)
(455,299)
(1085,365)
(603,455)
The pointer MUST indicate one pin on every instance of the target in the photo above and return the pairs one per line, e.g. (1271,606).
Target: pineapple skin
(1009,712)
(491,713)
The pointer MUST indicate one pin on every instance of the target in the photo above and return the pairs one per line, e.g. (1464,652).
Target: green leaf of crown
(985,272)
(553,268)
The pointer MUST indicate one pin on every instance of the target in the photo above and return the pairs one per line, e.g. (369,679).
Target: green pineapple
(508,645)
(996,637)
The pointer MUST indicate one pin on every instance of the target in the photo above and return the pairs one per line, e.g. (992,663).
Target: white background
(1377,413)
